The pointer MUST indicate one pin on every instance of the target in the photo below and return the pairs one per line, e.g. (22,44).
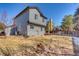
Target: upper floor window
(36,16)
(42,19)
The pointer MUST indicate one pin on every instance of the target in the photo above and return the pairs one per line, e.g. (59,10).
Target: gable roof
(27,9)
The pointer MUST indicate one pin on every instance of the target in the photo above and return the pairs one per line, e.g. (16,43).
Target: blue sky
(56,11)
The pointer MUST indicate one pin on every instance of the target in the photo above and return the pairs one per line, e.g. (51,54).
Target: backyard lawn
(37,45)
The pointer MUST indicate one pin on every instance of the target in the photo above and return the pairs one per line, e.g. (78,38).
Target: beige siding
(35,31)
(39,20)
(32,13)
(24,27)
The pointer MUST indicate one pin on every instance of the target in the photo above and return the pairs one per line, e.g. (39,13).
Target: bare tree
(4,17)
(4,20)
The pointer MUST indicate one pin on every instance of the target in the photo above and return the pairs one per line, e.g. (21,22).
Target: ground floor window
(41,28)
(31,27)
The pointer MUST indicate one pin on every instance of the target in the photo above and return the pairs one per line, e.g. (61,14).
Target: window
(41,28)
(42,20)
(36,17)
(31,27)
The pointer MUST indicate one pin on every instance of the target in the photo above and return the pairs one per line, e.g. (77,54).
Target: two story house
(30,22)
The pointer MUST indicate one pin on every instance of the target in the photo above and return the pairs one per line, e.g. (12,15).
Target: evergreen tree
(77,12)
(49,26)
(76,20)
(67,24)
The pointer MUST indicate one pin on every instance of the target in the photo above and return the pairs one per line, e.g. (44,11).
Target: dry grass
(36,45)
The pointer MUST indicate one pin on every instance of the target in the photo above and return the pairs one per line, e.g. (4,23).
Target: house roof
(27,9)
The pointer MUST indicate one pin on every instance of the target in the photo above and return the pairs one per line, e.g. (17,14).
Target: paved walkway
(76,45)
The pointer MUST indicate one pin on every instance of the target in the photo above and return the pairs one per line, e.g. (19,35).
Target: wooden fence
(74,33)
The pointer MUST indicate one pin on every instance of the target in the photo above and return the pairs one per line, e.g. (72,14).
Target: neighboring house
(7,31)
(4,29)
(30,22)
